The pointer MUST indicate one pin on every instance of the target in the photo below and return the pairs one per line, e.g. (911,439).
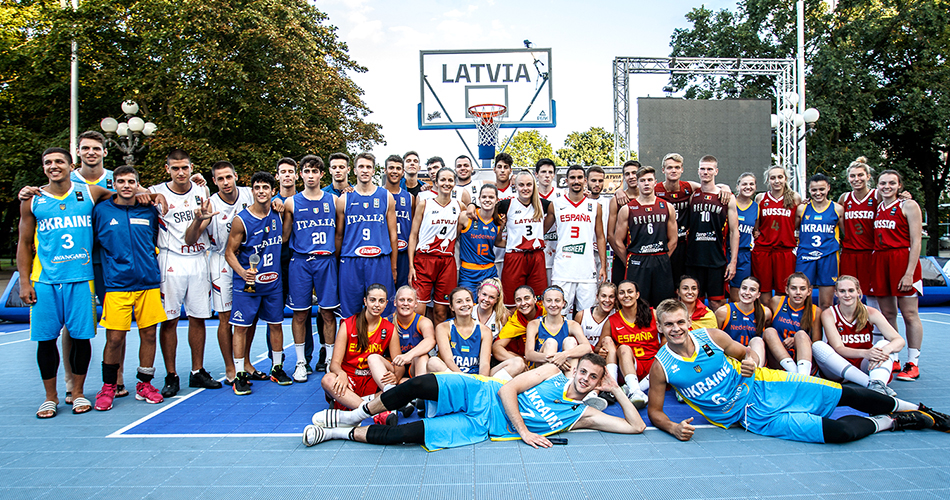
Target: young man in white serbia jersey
(185,275)
(544,170)
(596,178)
(578,221)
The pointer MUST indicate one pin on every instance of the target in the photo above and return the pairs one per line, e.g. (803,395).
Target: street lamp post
(803,124)
(127,136)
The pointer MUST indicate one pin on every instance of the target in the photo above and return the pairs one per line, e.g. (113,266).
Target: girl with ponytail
(795,326)
(772,256)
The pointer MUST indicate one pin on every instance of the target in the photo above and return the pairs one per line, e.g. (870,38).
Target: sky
(584,37)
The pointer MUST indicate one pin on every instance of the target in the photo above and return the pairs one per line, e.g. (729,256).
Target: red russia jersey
(859,221)
(891,229)
(680,201)
(354,360)
(776,223)
(852,338)
(645,342)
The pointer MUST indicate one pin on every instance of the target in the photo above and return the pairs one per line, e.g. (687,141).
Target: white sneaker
(300,372)
(313,435)
(596,402)
(638,398)
(878,386)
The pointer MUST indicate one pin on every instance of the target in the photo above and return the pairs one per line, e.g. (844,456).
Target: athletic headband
(552,287)
(489,283)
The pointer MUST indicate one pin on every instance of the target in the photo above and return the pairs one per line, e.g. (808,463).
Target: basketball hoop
(487,119)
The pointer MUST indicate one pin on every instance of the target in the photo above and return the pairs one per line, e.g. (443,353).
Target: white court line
(14,342)
(934,321)
(14,332)
(119,432)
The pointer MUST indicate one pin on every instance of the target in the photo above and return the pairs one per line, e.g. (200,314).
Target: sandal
(81,405)
(47,406)
(121,391)
(69,397)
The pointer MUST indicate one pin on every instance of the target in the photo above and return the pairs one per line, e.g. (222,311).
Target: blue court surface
(213,444)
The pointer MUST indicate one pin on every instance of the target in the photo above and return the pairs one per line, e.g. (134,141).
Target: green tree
(527,147)
(592,147)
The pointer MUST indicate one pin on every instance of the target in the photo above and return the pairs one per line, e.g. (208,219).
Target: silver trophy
(254,260)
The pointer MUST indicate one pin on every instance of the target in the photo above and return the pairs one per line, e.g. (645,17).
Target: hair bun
(861,159)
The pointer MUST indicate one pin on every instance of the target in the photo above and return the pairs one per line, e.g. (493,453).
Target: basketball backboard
(452,81)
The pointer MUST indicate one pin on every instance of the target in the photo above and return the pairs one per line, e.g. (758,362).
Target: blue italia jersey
(740,325)
(261,237)
(545,409)
(544,335)
(409,336)
(314,229)
(818,233)
(104,181)
(63,237)
(366,233)
(465,351)
(709,381)
(747,217)
(403,218)
(477,243)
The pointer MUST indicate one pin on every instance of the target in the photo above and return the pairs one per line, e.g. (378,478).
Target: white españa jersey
(551,237)
(220,226)
(591,328)
(181,213)
(439,228)
(574,240)
(524,232)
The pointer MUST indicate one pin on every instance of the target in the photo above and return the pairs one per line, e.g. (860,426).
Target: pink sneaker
(144,391)
(105,397)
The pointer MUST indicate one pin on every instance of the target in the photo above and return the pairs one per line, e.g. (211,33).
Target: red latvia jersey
(354,360)
(776,224)
(645,342)
(853,338)
(680,201)
(891,229)
(859,221)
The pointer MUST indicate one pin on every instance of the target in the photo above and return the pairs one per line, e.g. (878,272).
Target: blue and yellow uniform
(62,272)
(818,244)
(105,181)
(740,325)
(544,335)
(788,320)
(466,350)
(263,237)
(747,218)
(477,252)
(771,402)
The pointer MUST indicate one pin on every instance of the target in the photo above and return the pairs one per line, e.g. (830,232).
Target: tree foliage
(592,147)
(878,70)
(528,146)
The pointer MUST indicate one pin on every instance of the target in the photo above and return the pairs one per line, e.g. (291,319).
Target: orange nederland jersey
(776,224)
(354,360)
(645,342)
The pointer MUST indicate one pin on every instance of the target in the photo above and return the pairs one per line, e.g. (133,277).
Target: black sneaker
(203,379)
(913,420)
(277,374)
(407,410)
(941,420)
(321,365)
(608,397)
(420,406)
(241,386)
(172,386)
(309,369)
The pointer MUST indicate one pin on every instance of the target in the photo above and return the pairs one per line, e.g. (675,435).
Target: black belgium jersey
(708,218)
(680,201)
(646,227)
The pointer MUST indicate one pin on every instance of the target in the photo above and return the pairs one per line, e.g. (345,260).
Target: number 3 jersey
(818,233)
(63,237)
(524,232)
(262,236)
(220,226)
(180,215)
(574,257)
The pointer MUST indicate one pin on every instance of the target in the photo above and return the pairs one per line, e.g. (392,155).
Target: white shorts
(577,296)
(185,280)
(222,282)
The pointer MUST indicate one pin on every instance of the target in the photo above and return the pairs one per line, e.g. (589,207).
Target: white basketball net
(487,119)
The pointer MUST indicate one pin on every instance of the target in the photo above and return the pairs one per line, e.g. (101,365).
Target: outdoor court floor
(212,444)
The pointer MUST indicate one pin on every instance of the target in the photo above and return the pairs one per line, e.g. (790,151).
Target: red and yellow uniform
(354,359)
(516,329)
(645,342)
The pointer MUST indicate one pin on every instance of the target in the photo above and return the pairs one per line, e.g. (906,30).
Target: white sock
(342,432)
(612,370)
(882,422)
(301,357)
(833,364)
(354,417)
(645,384)
(804,367)
(388,387)
(239,364)
(195,372)
(913,356)
(633,383)
(883,372)
(329,348)
(277,357)
(788,364)
(905,406)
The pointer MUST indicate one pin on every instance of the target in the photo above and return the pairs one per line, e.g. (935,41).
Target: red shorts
(772,266)
(436,277)
(362,385)
(523,268)
(856,263)
(643,367)
(887,269)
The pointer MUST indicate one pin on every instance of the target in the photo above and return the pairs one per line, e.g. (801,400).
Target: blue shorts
(309,273)
(790,406)
(357,274)
(72,305)
(246,308)
(402,269)
(471,278)
(821,272)
(743,267)
(463,413)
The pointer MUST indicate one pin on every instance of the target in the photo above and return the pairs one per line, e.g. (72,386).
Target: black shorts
(712,283)
(651,274)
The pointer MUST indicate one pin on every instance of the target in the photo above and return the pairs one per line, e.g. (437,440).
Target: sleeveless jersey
(354,360)
(591,328)
(220,226)
(680,201)
(544,335)
(472,188)
(644,341)
(314,229)
(818,233)
(477,242)
(465,351)
(852,337)
(507,193)
(646,227)
(492,322)
(859,221)
(403,218)
(105,181)
(432,192)
(439,227)
(740,325)
(891,229)
(262,237)
(747,217)
(524,233)
(545,409)
(788,320)
(574,234)
(551,236)
(709,381)
(409,336)
(366,233)
(181,213)
(708,219)
(776,223)
(63,237)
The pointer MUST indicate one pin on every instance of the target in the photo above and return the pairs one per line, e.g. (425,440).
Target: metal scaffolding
(783,70)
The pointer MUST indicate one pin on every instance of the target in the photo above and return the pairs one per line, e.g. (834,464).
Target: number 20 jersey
(314,230)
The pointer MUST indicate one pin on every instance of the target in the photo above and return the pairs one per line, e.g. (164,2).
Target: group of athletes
(413,272)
